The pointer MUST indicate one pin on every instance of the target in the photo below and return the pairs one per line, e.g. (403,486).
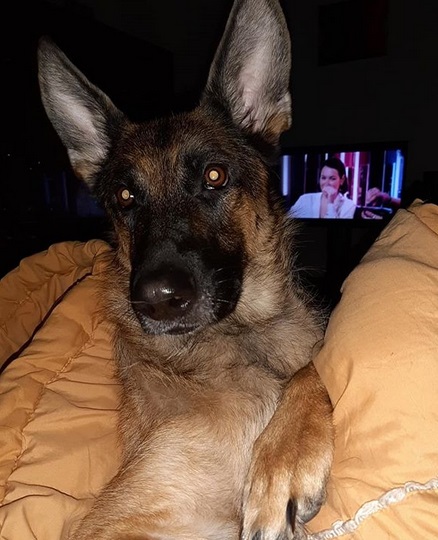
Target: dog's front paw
(291,460)
(280,497)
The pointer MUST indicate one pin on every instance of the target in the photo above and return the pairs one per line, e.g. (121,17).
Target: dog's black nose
(164,294)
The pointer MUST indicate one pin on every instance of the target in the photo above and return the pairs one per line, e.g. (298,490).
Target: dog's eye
(215,176)
(125,197)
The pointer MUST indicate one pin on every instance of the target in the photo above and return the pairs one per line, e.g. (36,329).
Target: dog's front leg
(290,464)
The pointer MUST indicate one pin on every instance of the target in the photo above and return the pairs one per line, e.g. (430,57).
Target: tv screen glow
(365,182)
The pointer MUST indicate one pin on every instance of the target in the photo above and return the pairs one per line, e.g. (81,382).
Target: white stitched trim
(394,496)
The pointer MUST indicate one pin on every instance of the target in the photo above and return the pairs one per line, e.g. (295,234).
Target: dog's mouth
(173,300)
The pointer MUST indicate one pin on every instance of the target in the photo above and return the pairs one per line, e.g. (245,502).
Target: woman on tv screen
(330,202)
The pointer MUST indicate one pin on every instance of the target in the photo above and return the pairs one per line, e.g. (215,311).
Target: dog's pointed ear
(83,116)
(250,72)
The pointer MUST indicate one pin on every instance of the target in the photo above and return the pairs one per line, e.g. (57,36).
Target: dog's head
(188,195)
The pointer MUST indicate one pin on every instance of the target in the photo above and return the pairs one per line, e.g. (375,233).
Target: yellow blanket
(58,397)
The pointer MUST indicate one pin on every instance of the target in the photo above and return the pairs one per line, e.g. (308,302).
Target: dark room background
(363,71)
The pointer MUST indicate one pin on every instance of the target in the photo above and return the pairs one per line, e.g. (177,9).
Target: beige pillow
(380,365)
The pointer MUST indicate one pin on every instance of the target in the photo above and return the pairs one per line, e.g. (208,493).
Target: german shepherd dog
(225,425)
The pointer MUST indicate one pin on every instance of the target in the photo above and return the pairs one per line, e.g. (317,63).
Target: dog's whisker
(222,281)
(223,269)
(224,301)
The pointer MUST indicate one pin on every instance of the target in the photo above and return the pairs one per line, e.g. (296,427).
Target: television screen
(343,182)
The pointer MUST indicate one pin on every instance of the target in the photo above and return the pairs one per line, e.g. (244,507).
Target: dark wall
(382,98)
(390,96)
(39,201)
